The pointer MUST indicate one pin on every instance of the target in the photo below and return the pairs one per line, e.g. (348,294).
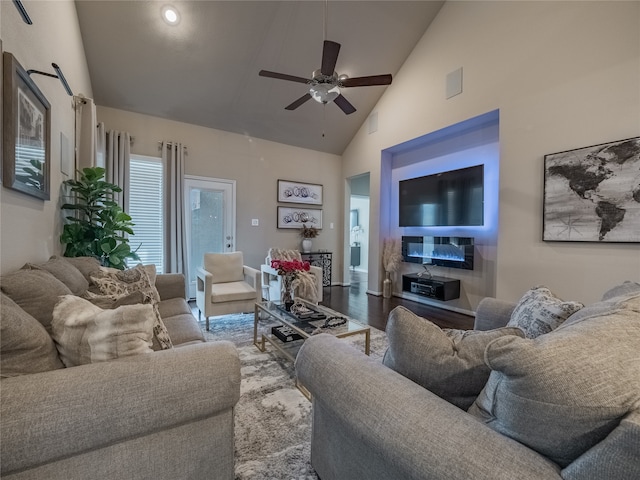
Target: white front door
(210,220)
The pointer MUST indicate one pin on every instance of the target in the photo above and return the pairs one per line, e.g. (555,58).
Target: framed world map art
(592,194)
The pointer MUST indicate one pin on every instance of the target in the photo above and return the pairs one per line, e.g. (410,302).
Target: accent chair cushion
(85,333)
(539,311)
(232,292)
(564,392)
(25,345)
(225,267)
(35,291)
(64,271)
(449,363)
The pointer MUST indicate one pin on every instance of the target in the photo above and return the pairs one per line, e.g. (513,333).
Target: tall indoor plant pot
(98,227)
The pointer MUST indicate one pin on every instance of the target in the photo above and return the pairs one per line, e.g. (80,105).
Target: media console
(440,288)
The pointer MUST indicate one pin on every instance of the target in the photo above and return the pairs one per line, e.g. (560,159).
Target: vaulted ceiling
(204,70)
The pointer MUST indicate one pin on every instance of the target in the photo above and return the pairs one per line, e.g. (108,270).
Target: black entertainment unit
(440,288)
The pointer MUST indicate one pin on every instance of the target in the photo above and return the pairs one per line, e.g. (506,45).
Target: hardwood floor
(356,303)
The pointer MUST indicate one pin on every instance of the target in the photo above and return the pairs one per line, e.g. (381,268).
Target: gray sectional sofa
(484,404)
(160,415)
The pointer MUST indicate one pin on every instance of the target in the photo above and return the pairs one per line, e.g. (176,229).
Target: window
(146,207)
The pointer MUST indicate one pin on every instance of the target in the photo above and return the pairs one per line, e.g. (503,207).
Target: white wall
(361,204)
(30,228)
(563,75)
(255,165)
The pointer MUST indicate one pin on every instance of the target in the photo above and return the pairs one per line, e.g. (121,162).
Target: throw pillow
(65,272)
(449,363)
(625,288)
(564,392)
(124,282)
(152,274)
(121,282)
(35,291)
(85,333)
(610,301)
(539,311)
(111,301)
(88,266)
(25,346)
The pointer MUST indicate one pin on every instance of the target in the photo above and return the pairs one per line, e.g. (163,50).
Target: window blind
(146,208)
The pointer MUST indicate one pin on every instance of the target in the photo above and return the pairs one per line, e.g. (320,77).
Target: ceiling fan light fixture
(324,92)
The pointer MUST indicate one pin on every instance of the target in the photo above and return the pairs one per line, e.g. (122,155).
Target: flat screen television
(447,199)
(454,252)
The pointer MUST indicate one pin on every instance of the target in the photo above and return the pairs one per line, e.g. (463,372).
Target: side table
(322,260)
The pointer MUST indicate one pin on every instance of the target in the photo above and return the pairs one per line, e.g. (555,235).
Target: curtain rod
(23,12)
(169,144)
(59,75)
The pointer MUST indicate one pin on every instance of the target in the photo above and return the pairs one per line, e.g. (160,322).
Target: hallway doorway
(359,230)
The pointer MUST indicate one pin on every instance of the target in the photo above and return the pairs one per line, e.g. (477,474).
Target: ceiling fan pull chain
(324,117)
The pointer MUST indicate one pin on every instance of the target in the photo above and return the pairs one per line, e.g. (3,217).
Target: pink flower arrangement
(290,267)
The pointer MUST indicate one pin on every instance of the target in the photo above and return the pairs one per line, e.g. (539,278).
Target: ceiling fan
(325,83)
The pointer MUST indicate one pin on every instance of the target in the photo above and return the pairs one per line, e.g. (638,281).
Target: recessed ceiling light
(170,15)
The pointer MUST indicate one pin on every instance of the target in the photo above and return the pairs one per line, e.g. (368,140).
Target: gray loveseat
(162,415)
(562,405)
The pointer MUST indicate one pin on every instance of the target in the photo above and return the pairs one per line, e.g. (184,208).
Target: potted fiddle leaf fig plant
(98,227)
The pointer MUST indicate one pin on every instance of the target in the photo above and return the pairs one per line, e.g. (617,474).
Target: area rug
(272,418)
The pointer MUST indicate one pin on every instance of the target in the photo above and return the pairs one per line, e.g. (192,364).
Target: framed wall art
(26,133)
(292,217)
(299,192)
(592,194)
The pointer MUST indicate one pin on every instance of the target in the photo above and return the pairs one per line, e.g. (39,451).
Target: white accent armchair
(225,285)
(271,285)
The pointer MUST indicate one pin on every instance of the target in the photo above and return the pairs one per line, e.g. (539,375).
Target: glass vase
(286,291)
(386,286)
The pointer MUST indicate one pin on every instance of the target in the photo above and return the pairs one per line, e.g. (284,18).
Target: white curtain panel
(118,146)
(86,133)
(101,145)
(173,157)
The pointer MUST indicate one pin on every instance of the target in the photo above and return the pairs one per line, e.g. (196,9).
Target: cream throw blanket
(304,286)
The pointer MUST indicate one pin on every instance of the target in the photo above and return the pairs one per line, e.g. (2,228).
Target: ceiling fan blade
(344,105)
(298,102)
(330,52)
(282,76)
(367,81)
